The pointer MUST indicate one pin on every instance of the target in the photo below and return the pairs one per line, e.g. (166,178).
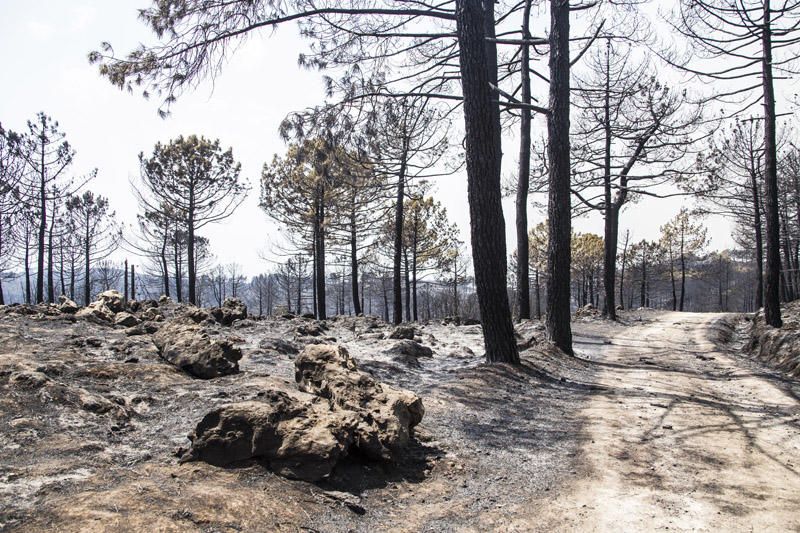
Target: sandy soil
(686,438)
(652,426)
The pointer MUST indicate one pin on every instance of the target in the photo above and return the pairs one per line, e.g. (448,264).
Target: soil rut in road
(686,438)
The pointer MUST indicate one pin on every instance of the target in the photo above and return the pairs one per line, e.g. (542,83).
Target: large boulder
(65,305)
(409,352)
(297,439)
(125,319)
(386,416)
(232,309)
(112,299)
(280,346)
(410,348)
(152,314)
(403,332)
(97,312)
(192,349)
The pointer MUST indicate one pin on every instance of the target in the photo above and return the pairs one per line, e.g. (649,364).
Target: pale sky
(44,45)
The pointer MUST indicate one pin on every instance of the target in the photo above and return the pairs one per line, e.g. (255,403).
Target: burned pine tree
(96,230)
(48,157)
(199,182)
(740,46)
(632,136)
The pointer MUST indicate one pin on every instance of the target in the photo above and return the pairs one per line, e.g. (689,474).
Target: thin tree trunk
(611,226)
(87,280)
(523,180)
(483,158)
(398,242)
(357,307)
(759,242)
(42,227)
(643,286)
(622,269)
(320,248)
(683,267)
(50,278)
(414,276)
(672,279)
(27,270)
(407,279)
(772,307)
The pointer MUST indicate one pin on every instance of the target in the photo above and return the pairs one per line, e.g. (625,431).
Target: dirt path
(686,438)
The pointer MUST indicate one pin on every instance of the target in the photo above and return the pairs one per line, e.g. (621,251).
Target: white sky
(43,50)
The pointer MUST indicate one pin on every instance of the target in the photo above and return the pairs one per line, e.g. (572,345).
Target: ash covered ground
(94,421)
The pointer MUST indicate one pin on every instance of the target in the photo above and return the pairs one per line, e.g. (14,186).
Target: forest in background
(352,191)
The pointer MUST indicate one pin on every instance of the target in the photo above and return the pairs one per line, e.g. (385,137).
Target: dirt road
(686,438)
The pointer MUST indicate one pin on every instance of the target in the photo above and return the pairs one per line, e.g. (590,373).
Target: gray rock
(297,440)
(125,319)
(97,312)
(410,348)
(403,332)
(189,347)
(279,345)
(386,416)
(232,309)
(67,306)
(112,299)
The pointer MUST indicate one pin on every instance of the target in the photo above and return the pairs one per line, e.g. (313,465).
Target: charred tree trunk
(397,289)
(357,307)
(622,269)
(407,279)
(558,153)
(42,227)
(672,280)
(772,306)
(683,270)
(523,180)
(27,271)
(320,255)
(483,155)
(87,280)
(611,227)
(643,286)
(759,242)
(178,275)
(190,258)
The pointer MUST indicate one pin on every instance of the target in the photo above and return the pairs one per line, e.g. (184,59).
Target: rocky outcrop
(314,329)
(409,352)
(387,416)
(232,309)
(113,300)
(65,305)
(410,348)
(125,319)
(152,314)
(403,332)
(280,346)
(305,438)
(97,312)
(297,439)
(192,349)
